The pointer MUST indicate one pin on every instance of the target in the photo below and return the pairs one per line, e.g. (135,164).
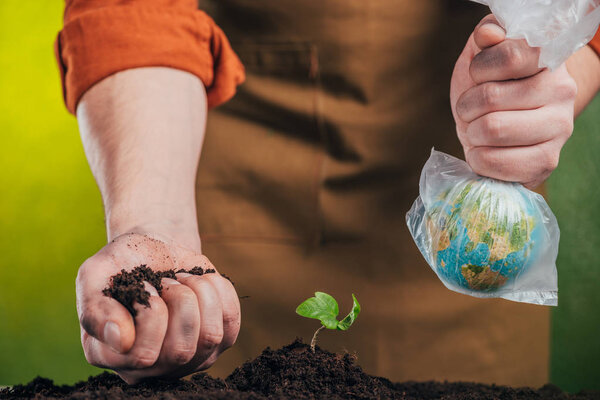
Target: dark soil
(293,372)
(127,287)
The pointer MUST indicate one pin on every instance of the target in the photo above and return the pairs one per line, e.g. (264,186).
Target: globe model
(482,234)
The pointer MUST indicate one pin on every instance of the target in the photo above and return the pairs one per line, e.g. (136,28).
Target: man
(305,175)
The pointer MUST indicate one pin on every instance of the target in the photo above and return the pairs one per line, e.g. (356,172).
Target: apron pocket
(260,168)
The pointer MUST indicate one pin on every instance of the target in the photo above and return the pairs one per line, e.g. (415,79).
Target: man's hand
(512,117)
(142,130)
(183,331)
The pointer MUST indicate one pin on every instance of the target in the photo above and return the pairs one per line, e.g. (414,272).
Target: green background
(51,219)
(51,212)
(574,194)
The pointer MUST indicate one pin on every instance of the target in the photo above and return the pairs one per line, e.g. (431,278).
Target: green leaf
(350,318)
(322,307)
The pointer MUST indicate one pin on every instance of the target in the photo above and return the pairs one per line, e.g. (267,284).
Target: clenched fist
(184,330)
(512,118)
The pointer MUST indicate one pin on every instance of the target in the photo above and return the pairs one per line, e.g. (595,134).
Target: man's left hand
(512,117)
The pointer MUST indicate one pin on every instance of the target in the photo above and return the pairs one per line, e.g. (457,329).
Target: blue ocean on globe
(483,234)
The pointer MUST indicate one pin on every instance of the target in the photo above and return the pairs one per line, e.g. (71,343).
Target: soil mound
(296,372)
(292,372)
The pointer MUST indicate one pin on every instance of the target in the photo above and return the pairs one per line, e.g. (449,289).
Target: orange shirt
(102,37)
(595,42)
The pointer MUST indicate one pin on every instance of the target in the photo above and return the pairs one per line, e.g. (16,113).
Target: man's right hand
(142,130)
(183,331)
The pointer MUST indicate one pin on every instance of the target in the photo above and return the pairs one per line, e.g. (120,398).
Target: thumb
(100,316)
(488,33)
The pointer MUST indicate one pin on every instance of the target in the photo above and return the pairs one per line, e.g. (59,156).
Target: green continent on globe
(481,234)
(481,278)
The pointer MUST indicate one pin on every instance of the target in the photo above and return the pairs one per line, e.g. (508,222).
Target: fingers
(512,117)
(230,305)
(150,329)
(518,128)
(500,59)
(211,316)
(518,146)
(181,338)
(530,165)
(524,94)
(100,316)
(196,319)
(509,59)
(231,310)
(184,324)
(488,32)
(204,320)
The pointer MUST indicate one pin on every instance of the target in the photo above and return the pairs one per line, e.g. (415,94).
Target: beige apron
(306,176)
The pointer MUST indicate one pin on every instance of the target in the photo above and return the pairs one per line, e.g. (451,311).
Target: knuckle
(144,358)
(566,126)
(157,305)
(81,274)
(465,105)
(492,127)
(566,88)
(192,280)
(490,95)
(550,160)
(90,358)
(86,319)
(461,108)
(513,56)
(182,354)
(231,317)
(211,337)
(186,296)
(473,161)
(475,68)
(463,137)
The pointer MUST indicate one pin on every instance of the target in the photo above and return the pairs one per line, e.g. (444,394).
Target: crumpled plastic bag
(558,27)
(484,237)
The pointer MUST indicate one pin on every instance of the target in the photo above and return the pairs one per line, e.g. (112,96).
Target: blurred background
(51,216)
(51,219)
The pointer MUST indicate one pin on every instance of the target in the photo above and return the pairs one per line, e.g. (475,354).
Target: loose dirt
(127,287)
(292,372)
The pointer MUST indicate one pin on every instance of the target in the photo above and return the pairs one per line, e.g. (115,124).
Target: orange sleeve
(595,42)
(102,37)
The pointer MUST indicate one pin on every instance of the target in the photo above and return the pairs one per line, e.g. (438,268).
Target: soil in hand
(127,287)
(292,372)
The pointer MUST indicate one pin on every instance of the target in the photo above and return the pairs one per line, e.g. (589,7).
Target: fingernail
(183,275)
(150,289)
(169,281)
(112,336)
(495,26)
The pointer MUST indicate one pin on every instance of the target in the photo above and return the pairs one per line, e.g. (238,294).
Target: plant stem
(313,342)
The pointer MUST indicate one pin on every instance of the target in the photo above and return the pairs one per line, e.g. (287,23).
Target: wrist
(584,67)
(171,225)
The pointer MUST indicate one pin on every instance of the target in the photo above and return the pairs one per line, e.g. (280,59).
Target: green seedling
(324,308)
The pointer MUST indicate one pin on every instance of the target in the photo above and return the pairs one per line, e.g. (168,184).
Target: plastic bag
(484,237)
(558,27)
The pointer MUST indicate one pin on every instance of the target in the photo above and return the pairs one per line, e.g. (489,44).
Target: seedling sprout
(325,308)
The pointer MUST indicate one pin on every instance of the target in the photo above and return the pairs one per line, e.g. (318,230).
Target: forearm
(584,67)
(142,130)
